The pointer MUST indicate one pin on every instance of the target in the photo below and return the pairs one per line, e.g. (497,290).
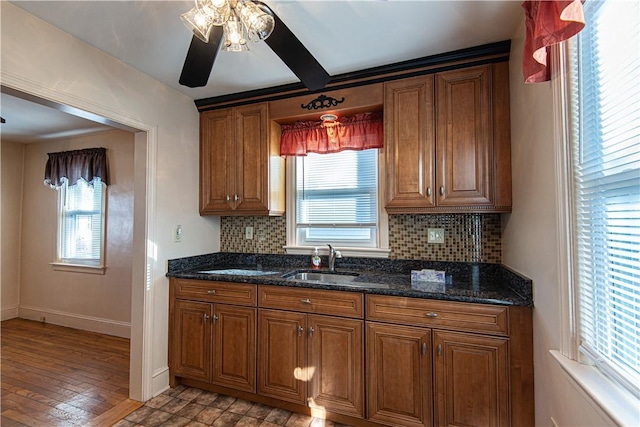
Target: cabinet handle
(206,317)
(214,318)
(311,331)
(236,198)
(439,349)
(424,348)
(305,301)
(211,291)
(442,190)
(300,329)
(431,314)
(228,198)
(428,191)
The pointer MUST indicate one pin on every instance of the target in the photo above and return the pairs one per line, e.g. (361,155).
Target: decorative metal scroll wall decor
(322,101)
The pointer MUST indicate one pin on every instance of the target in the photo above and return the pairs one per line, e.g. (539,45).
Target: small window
(81,224)
(337,199)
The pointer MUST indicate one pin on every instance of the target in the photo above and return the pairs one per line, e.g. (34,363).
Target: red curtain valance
(73,165)
(359,132)
(547,23)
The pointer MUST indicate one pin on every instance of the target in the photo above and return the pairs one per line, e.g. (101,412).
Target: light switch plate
(436,235)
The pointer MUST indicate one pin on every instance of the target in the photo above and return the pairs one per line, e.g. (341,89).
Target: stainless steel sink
(323,277)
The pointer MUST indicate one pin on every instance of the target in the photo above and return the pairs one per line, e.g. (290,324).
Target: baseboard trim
(160,381)
(77,321)
(9,313)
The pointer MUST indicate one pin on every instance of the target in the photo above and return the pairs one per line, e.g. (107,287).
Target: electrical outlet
(177,234)
(436,235)
(248,233)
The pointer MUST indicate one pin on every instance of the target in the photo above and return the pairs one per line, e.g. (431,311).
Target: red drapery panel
(547,23)
(359,132)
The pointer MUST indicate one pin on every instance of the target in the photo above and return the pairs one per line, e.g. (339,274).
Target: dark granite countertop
(467,282)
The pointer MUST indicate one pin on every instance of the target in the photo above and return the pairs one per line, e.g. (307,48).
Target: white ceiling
(344,36)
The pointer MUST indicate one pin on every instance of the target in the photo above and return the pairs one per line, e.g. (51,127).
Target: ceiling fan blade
(199,61)
(293,53)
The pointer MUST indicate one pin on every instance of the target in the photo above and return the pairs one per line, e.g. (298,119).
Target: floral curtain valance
(359,132)
(547,23)
(74,165)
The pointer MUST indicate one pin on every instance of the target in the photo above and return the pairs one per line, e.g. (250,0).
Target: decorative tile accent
(269,234)
(468,237)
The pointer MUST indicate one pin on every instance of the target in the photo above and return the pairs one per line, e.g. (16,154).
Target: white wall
(99,303)
(39,59)
(11,194)
(530,243)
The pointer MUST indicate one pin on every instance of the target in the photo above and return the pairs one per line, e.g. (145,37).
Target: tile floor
(192,407)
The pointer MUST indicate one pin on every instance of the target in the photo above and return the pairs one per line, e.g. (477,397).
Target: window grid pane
(337,198)
(606,161)
(81,223)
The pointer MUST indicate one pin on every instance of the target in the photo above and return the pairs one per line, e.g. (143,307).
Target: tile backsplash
(468,237)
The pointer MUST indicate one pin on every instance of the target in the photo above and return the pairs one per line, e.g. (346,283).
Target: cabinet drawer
(205,290)
(336,303)
(443,314)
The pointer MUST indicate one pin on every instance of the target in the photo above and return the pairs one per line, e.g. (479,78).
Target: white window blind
(605,80)
(337,198)
(81,223)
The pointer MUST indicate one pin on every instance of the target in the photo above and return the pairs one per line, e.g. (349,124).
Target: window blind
(606,160)
(337,198)
(81,222)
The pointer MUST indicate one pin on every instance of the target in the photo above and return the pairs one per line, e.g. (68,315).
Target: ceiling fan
(223,23)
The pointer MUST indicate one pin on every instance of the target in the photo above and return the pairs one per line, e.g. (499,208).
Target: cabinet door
(234,364)
(470,380)
(282,367)
(464,137)
(192,340)
(336,365)
(398,375)
(251,158)
(409,143)
(216,161)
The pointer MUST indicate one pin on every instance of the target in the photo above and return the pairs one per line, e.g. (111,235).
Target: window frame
(617,402)
(292,247)
(92,266)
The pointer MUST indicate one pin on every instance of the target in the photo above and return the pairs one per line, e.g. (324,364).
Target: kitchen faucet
(333,254)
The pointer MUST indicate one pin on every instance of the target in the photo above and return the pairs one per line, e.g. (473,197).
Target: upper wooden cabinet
(447,142)
(241,171)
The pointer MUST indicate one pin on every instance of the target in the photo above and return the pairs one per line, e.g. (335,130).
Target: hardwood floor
(57,376)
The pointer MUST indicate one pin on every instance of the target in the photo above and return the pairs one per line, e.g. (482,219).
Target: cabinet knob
(439,349)
(428,191)
(431,314)
(211,291)
(305,301)
(215,318)
(236,198)
(206,317)
(228,198)
(424,348)
(442,190)
(311,331)
(300,329)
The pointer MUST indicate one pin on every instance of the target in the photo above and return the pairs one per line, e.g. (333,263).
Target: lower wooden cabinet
(414,362)
(470,380)
(312,359)
(398,375)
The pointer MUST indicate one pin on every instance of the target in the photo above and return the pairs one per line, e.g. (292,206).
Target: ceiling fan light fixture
(258,21)
(198,22)
(234,38)
(218,11)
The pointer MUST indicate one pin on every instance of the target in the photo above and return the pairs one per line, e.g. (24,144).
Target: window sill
(346,251)
(618,404)
(78,268)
